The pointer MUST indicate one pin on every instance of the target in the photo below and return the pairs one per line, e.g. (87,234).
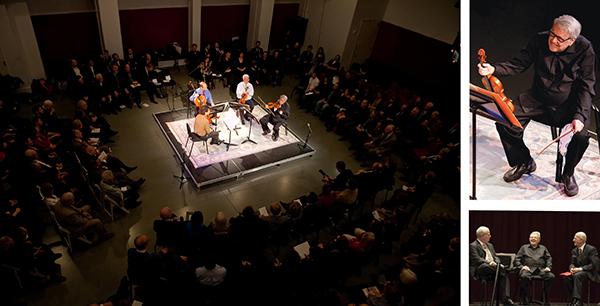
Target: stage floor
(224,163)
(540,185)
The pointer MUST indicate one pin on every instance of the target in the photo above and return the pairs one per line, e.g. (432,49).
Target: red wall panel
(153,28)
(220,23)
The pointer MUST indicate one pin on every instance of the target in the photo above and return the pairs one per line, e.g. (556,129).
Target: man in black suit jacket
(584,265)
(138,259)
(483,263)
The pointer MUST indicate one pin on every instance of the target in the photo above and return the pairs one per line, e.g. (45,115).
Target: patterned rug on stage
(540,185)
(241,156)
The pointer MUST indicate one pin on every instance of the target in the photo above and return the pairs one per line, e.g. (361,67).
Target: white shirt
(488,253)
(211,277)
(77,71)
(244,87)
(312,84)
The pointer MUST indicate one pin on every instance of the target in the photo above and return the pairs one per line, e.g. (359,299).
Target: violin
(493,84)
(273,105)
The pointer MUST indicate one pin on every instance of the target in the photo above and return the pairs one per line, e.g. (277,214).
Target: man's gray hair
(482,230)
(570,24)
(536,233)
(581,235)
(283,97)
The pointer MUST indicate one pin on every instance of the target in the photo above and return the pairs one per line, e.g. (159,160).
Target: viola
(493,84)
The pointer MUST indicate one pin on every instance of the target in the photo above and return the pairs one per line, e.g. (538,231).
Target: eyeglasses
(558,38)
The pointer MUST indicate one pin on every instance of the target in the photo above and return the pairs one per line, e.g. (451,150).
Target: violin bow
(555,140)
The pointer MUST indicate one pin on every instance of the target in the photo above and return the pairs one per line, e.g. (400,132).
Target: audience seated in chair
(79,221)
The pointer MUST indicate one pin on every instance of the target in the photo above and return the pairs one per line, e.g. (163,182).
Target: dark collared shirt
(565,77)
(533,257)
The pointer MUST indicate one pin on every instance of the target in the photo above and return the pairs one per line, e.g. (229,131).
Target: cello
(492,83)
(200,101)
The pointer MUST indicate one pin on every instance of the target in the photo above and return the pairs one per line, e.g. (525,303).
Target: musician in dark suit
(483,263)
(280,114)
(562,90)
(534,259)
(584,265)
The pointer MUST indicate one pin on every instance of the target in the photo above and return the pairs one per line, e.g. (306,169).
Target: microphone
(308,125)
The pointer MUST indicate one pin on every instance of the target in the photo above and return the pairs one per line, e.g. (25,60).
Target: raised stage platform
(225,162)
(540,185)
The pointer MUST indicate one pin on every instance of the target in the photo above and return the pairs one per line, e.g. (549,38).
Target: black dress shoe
(508,301)
(265,133)
(515,173)
(571,187)
(275,137)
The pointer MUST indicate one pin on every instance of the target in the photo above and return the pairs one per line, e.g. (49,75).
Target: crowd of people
(250,257)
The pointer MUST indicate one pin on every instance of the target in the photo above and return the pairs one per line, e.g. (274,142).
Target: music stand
(489,105)
(252,117)
(231,120)
(218,108)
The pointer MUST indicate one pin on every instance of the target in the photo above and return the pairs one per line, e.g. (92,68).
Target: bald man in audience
(138,259)
(169,230)
(584,265)
(534,260)
(79,220)
(483,263)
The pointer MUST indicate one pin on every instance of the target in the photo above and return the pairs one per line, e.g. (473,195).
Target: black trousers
(243,113)
(487,272)
(574,283)
(525,279)
(512,140)
(272,120)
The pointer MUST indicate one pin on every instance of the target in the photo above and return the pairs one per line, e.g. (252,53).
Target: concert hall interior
(94,208)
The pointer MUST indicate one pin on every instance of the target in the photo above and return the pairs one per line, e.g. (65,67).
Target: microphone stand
(307,136)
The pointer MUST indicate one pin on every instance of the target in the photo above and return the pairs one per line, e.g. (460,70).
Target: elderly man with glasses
(534,261)
(561,94)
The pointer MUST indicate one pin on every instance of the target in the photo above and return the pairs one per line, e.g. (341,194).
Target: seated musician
(202,126)
(244,93)
(279,115)
(202,96)
(561,93)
